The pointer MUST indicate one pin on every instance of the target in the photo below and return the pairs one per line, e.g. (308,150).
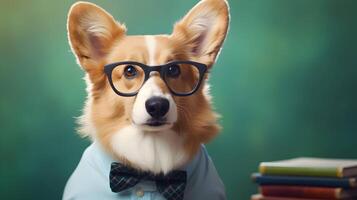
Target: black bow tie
(171,185)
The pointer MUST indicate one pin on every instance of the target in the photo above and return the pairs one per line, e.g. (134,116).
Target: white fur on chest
(153,151)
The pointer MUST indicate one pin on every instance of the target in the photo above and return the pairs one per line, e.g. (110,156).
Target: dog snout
(157,107)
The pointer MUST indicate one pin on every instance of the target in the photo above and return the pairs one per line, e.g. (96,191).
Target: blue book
(305,180)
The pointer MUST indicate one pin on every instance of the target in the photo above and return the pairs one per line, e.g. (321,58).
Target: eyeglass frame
(108,69)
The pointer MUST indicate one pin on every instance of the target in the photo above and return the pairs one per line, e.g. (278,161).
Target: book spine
(304,181)
(261,197)
(300,192)
(300,171)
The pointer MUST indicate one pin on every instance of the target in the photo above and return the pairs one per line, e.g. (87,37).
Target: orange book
(261,197)
(307,192)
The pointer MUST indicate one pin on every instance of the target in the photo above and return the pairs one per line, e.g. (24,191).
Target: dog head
(154,129)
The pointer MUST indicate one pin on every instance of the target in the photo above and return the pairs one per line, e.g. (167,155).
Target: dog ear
(91,33)
(204,29)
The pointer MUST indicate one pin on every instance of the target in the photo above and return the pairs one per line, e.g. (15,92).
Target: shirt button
(139,192)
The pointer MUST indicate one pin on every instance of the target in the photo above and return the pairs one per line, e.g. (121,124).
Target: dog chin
(159,152)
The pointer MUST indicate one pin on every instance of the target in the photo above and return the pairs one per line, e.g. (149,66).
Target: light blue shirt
(90,180)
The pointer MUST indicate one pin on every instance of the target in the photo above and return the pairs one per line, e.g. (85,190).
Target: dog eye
(173,71)
(130,72)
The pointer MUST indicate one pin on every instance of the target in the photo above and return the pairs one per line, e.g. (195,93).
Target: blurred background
(285,84)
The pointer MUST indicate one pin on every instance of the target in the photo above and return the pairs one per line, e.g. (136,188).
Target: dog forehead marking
(151,45)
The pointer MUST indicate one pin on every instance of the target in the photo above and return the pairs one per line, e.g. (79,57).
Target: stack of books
(307,179)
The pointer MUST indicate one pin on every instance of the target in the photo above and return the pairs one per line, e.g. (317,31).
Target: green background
(285,84)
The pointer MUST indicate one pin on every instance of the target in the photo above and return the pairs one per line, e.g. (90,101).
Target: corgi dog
(148,105)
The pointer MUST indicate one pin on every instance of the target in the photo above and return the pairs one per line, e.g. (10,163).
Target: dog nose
(157,107)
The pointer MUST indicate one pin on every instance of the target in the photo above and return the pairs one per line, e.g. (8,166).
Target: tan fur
(97,39)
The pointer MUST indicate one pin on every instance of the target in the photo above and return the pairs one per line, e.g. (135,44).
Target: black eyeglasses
(183,78)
